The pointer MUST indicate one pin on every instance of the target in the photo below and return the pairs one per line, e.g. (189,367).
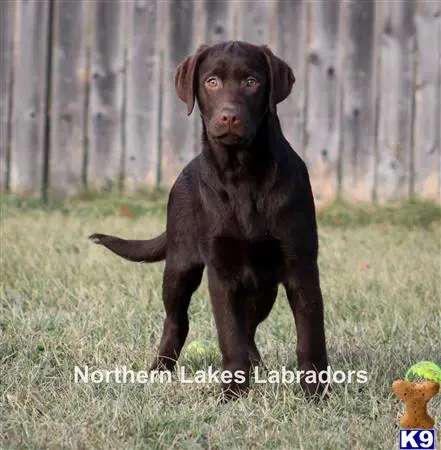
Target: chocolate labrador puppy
(244,209)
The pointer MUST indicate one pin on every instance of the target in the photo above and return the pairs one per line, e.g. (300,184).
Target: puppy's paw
(316,391)
(233,391)
(97,238)
(228,396)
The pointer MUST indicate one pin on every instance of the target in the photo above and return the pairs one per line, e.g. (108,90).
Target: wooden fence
(87,95)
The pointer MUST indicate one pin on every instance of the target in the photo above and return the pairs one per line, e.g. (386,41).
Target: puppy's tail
(150,250)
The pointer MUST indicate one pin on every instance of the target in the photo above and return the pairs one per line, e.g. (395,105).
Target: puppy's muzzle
(228,124)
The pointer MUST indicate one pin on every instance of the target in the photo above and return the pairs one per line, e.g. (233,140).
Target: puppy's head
(235,84)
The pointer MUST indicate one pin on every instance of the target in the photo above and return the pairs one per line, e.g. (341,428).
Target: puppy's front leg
(230,316)
(305,299)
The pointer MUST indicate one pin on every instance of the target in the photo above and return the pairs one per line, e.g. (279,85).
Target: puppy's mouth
(230,139)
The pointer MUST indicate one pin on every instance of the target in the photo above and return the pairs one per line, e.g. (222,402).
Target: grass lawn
(66,302)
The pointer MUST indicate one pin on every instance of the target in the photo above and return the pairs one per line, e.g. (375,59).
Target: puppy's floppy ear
(185,78)
(281,78)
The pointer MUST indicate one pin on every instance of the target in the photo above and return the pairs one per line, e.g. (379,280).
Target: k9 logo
(417,439)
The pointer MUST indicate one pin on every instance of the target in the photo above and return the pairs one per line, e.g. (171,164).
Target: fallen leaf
(363,265)
(125,211)
(383,226)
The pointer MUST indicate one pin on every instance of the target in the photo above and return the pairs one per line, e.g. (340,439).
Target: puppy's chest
(245,217)
(242,242)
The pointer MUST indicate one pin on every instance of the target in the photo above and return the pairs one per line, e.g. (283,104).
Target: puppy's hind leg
(178,287)
(260,305)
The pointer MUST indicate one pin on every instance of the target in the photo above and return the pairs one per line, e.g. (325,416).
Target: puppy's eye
(212,82)
(251,82)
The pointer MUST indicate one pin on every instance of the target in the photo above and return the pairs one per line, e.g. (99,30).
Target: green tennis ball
(425,369)
(201,349)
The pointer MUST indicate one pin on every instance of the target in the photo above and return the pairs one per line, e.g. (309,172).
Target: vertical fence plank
(69,78)
(200,23)
(292,20)
(143,58)
(396,91)
(178,132)
(29,102)
(106,103)
(358,119)
(254,21)
(219,23)
(7,17)
(439,114)
(199,38)
(427,151)
(323,91)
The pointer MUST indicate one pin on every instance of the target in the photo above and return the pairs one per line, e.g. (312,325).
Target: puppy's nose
(229,118)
